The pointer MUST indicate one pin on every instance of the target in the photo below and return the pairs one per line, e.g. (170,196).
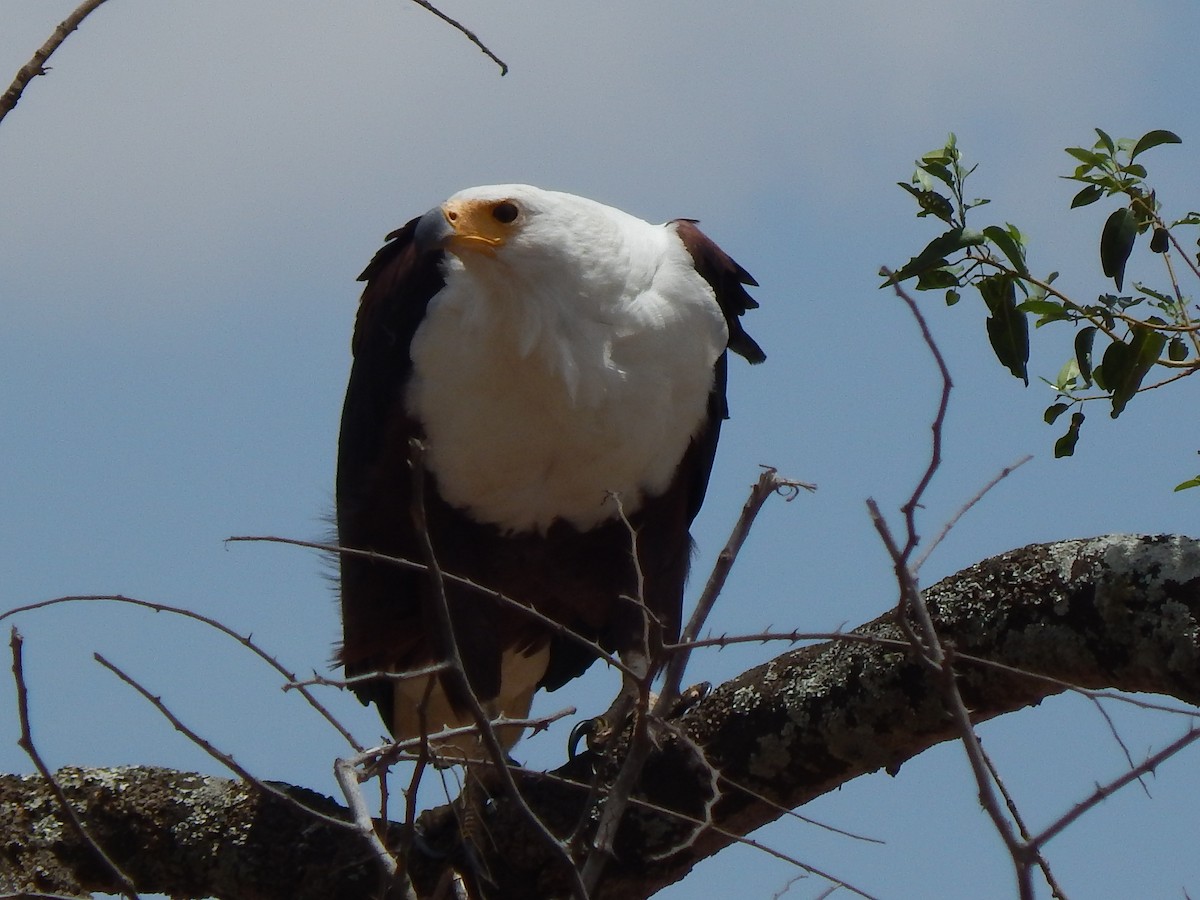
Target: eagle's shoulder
(728,281)
(401,279)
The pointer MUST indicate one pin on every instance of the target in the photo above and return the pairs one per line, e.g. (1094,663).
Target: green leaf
(1116,243)
(1010,245)
(1089,194)
(1190,483)
(1065,445)
(952,297)
(1083,352)
(1093,159)
(1054,411)
(1154,139)
(1007,327)
(1107,142)
(1067,376)
(1177,350)
(1126,364)
(939,171)
(935,252)
(933,203)
(1160,241)
(1137,170)
(936,279)
(1043,308)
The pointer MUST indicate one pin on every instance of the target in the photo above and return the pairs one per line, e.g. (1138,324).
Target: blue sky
(190,193)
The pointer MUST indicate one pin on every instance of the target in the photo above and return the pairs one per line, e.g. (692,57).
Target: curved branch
(1117,611)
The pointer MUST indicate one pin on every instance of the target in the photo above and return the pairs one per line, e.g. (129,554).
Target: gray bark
(1117,611)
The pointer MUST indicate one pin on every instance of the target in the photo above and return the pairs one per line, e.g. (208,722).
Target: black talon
(690,697)
(582,731)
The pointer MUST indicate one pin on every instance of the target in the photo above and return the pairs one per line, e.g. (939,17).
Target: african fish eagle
(564,365)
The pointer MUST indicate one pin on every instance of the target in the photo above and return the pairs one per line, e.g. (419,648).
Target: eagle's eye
(505,212)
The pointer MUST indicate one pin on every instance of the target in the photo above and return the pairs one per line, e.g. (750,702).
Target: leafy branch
(1154,329)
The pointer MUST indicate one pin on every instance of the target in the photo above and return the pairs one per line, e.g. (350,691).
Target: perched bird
(563,365)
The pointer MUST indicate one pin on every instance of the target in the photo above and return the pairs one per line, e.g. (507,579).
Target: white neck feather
(547,382)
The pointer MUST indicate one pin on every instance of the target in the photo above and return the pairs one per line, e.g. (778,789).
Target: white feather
(573,364)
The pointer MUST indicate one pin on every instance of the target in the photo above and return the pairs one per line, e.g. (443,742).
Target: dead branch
(37,65)
(1118,612)
(123,881)
(245,640)
(465,32)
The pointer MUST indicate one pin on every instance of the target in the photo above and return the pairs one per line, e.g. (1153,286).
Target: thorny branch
(634,697)
(642,737)
(245,640)
(220,756)
(928,644)
(1117,611)
(17,644)
(440,609)
(768,483)
(555,628)
(941,658)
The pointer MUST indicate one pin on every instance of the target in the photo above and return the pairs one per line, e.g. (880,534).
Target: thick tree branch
(178,833)
(1117,611)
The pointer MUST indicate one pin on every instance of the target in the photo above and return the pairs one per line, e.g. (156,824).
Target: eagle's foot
(598,732)
(689,697)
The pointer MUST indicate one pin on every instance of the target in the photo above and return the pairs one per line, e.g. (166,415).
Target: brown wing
(386,625)
(728,280)
(381,603)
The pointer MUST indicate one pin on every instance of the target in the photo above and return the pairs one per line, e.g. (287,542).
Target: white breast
(542,393)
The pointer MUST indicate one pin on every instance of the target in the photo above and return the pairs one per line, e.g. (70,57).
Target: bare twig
(768,483)
(1103,792)
(1112,728)
(345,683)
(1055,890)
(634,697)
(375,758)
(25,742)
(966,507)
(556,628)
(245,640)
(37,65)
(348,780)
(646,805)
(641,740)
(935,453)
(466,32)
(439,608)
(927,644)
(791,813)
(224,758)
